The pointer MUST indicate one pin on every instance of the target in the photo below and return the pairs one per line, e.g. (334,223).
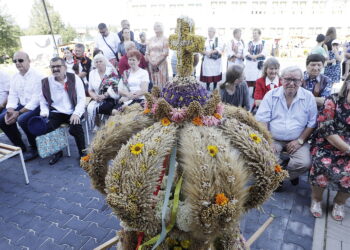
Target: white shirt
(136,78)
(60,98)
(4,86)
(240,48)
(113,41)
(273,84)
(25,90)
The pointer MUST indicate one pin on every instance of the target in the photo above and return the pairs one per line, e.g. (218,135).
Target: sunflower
(136,148)
(213,150)
(197,121)
(255,138)
(278,168)
(165,121)
(221,199)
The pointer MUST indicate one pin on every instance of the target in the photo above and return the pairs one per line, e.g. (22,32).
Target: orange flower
(278,168)
(146,111)
(217,116)
(197,121)
(165,121)
(221,199)
(86,158)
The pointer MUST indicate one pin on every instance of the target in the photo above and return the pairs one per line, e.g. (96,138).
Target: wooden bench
(7,151)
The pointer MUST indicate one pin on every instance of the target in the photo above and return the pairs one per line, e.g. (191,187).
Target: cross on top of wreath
(185,42)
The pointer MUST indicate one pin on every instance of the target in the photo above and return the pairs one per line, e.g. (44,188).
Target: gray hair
(269,63)
(129,44)
(159,24)
(80,45)
(212,28)
(292,69)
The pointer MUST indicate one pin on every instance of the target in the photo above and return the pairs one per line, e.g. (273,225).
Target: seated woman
(235,90)
(103,88)
(330,153)
(268,81)
(135,81)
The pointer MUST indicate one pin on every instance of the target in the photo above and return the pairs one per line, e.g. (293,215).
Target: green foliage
(39,24)
(9,37)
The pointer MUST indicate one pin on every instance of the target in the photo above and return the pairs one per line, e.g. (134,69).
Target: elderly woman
(157,51)
(103,88)
(235,49)
(135,81)
(331,153)
(235,90)
(268,81)
(126,38)
(123,62)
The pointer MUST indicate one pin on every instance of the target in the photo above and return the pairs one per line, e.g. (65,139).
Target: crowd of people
(310,126)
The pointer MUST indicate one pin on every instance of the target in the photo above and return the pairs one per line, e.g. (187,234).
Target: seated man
(289,112)
(123,62)
(62,100)
(319,84)
(22,104)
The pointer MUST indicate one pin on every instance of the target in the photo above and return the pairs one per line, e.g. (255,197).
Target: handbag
(52,142)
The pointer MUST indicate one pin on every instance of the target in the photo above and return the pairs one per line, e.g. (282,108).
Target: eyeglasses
(290,80)
(18,60)
(55,66)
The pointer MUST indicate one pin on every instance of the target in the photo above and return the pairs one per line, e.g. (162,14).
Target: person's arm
(246,101)
(165,52)
(34,101)
(264,113)
(81,98)
(44,107)
(338,56)
(259,92)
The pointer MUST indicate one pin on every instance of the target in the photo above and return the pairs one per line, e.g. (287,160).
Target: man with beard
(22,104)
(62,100)
(289,112)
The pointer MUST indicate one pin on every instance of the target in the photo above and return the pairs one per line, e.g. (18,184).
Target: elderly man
(83,65)
(125,25)
(22,104)
(62,100)
(289,112)
(108,42)
(4,89)
(319,84)
(123,63)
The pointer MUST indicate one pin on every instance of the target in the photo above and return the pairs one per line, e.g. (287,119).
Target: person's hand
(292,147)
(74,119)
(11,117)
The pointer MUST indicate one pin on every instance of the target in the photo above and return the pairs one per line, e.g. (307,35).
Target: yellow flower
(136,148)
(255,138)
(146,111)
(113,189)
(157,139)
(152,152)
(123,162)
(177,248)
(197,121)
(185,244)
(143,167)
(221,199)
(217,116)
(213,150)
(116,176)
(278,168)
(165,121)
(111,124)
(86,158)
(171,242)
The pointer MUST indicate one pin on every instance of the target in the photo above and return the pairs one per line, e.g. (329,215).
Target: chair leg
(87,132)
(24,167)
(68,148)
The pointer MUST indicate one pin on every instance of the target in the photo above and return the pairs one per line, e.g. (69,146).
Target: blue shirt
(311,82)
(287,124)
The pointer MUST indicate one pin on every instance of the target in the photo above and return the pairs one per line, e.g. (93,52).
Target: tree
(39,24)
(9,37)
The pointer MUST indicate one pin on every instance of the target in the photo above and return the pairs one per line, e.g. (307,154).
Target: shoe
(30,155)
(338,212)
(316,209)
(295,181)
(56,157)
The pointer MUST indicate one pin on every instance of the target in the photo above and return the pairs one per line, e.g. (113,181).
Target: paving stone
(5,244)
(42,211)
(50,244)
(74,240)
(25,205)
(75,197)
(11,231)
(56,232)
(94,216)
(95,203)
(76,224)
(13,201)
(58,217)
(79,211)
(21,218)
(112,222)
(95,231)
(297,239)
(37,225)
(7,212)
(90,244)
(31,241)
(290,246)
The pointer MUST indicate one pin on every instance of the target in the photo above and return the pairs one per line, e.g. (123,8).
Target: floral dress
(330,166)
(333,70)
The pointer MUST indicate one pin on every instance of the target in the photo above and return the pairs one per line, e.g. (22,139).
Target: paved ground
(60,210)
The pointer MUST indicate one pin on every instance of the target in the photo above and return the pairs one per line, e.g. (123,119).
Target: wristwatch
(300,141)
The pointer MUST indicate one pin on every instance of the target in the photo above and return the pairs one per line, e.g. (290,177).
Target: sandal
(316,209)
(338,212)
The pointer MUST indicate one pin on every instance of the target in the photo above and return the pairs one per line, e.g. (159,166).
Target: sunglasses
(18,60)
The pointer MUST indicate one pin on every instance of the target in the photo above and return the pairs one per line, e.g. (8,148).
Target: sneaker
(338,212)
(316,209)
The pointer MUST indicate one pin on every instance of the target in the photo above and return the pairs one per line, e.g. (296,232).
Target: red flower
(347,106)
(329,113)
(345,181)
(312,170)
(329,104)
(314,151)
(336,170)
(318,140)
(321,118)
(347,168)
(348,120)
(326,161)
(322,180)
(340,162)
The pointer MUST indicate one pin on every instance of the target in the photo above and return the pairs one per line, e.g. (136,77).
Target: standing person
(68,57)
(125,25)
(82,64)
(235,90)
(211,71)
(330,153)
(289,112)
(235,49)
(346,62)
(332,69)
(22,104)
(62,100)
(141,46)
(157,51)
(255,55)
(108,42)
(320,48)
(121,46)
(4,89)
(331,35)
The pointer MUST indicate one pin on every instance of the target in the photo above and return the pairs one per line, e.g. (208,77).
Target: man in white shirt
(22,104)
(62,100)
(108,42)
(4,89)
